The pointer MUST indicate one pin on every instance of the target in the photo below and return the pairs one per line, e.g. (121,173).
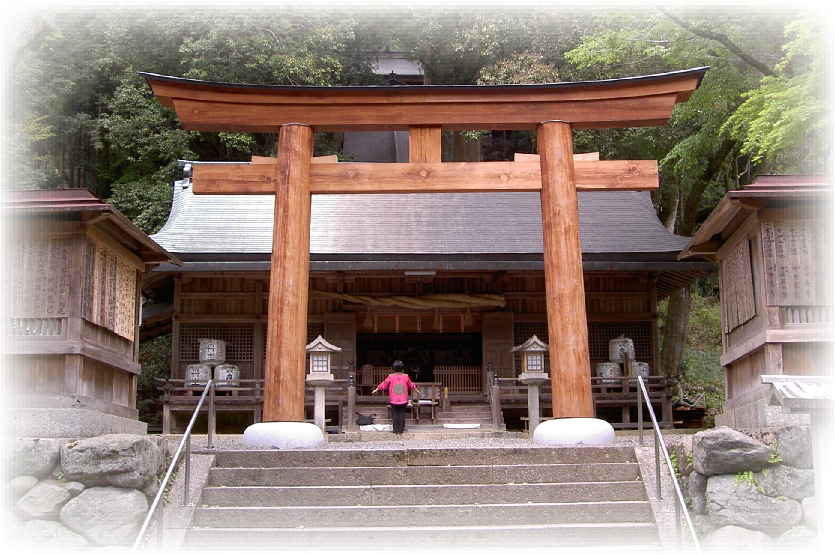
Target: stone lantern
(320,376)
(533,374)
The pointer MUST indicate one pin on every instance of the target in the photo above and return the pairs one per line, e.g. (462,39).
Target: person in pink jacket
(398,385)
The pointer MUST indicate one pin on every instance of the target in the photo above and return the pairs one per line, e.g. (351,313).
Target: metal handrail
(680,504)
(184,443)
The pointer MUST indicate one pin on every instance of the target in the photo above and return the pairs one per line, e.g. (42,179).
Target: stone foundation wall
(752,490)
(90,493)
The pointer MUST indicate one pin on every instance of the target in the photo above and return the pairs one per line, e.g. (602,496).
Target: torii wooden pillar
(553,110)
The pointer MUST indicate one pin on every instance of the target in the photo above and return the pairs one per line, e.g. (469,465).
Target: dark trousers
(398,415)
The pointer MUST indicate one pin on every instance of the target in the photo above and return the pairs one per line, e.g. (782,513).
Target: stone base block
(283,435)
(574,431)
(67,423)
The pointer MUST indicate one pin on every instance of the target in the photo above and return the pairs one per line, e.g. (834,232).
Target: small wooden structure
(555,175)
(71,310)
(772,241)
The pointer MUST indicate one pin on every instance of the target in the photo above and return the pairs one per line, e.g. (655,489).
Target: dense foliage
(84,117)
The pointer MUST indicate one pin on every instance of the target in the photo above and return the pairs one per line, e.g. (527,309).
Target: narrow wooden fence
(460,379)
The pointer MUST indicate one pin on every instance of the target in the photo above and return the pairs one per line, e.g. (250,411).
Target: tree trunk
(675,331)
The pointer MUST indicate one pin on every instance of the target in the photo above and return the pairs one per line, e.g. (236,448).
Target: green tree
(705,151)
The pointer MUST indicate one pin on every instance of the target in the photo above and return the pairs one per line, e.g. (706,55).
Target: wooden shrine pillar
(564,291)
(289,278)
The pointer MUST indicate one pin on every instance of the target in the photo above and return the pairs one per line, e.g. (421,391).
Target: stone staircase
(427,498)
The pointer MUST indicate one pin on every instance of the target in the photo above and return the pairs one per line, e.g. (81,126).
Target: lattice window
(314,330)
(600,333)
(239,340)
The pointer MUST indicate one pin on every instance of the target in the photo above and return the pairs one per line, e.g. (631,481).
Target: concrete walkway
(177,517)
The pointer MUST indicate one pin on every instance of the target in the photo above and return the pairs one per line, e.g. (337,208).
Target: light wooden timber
(329,159)
(446,177)
(424,145)
(290,263)
(582,156)
(628,102)
(565,298)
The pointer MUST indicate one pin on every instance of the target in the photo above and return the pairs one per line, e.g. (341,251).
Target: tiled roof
(415,224)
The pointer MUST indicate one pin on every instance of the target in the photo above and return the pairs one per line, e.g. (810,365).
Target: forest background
(78,114)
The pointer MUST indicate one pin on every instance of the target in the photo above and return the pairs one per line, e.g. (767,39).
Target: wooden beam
(289,277)
(564,292)
(628,102)
(578,157)
(329,159)
(447,177)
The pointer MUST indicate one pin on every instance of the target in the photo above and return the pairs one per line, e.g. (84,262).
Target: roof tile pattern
(425,224)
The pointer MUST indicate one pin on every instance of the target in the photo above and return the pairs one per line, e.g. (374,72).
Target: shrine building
(444,265)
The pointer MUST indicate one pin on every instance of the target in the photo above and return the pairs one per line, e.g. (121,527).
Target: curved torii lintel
(627,102)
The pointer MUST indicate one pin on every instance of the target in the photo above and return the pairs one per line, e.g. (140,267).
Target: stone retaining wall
(81,494)
(750,491)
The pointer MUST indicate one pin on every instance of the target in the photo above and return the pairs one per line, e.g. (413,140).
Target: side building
(71,308)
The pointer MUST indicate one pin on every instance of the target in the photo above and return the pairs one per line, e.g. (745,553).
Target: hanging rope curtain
(425,302)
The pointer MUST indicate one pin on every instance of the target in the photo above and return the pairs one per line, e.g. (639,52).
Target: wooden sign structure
(553,110)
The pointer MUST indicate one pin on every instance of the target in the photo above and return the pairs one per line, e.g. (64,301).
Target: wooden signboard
(796,262)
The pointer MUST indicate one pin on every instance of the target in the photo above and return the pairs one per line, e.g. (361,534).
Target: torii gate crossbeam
(553,110)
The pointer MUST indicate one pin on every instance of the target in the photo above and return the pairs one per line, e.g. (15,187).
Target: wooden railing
(460,379)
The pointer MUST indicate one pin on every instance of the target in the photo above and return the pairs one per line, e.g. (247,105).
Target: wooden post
(424,144)
(290,264)
(564,292)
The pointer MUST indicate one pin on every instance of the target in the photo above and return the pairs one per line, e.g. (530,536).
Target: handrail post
(212,423)
(657,466)
(188,471)
(640,416)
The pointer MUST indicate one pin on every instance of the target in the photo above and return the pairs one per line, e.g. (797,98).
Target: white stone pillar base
(283,435)
(574,432)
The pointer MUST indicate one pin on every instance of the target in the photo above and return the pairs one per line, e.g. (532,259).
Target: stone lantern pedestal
(533,380)
(320,382)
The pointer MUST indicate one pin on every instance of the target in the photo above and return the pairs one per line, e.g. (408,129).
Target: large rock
(22,484)
(32,457)
(735,502)
(798,537)
(729,538)
(787,481)
(106,515)
(44,501)
(48,534)
(121,460)
(696,486)
(794,446)
(726,451)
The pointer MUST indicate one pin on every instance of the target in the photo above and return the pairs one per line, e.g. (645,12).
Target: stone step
(285,496)
(518,538)
(425,456)
(427,475)
(422,515)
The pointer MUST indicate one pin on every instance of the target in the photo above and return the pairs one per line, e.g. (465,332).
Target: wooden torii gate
(553,110)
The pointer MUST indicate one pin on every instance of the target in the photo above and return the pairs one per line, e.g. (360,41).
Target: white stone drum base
(283,435)
(574,431)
